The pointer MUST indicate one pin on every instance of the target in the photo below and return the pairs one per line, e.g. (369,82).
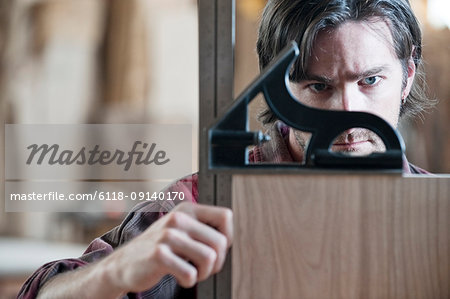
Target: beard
(353,142)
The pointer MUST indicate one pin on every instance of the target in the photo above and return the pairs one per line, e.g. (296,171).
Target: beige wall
(95,61)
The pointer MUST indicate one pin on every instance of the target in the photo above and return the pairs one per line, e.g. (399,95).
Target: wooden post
(216,40)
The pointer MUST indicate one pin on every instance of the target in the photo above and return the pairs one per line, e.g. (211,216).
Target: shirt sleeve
(141,217)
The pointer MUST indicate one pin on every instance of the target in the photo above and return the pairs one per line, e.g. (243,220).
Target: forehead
(353,46)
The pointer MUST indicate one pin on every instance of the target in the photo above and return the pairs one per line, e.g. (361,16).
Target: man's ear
(410,76)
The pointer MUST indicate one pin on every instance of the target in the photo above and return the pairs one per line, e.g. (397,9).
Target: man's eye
(370,80)
(318,87)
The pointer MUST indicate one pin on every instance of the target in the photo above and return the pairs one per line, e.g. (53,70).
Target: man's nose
(350,98)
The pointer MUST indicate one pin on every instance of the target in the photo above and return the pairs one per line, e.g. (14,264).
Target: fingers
(215,240)
(218,217)
(184,273)
(203,234)
(199,235)
(219,239)
(190,243)
(200,255)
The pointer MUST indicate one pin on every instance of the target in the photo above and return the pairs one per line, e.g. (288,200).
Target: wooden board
(348,236)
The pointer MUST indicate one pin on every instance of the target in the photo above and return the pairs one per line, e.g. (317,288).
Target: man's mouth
(349,146)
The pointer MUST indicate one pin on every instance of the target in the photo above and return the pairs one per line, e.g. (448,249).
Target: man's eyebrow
(312,77)
(370,72)
(351,76)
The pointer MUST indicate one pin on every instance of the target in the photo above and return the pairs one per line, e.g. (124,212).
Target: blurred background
(136,61)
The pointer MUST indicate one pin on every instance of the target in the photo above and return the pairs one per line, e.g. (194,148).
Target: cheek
(386,103)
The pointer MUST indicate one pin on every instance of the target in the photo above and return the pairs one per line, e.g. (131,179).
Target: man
(355,55)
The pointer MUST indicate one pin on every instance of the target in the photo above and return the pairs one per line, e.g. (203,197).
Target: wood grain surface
(347,236)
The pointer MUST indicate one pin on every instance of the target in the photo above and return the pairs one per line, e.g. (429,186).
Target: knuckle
(189,278)
(205,263)
(222,243)
(175,219)
(169,235)
(209,257)
(228,215)
(160,253)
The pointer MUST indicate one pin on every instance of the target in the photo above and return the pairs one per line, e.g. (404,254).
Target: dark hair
(302,20)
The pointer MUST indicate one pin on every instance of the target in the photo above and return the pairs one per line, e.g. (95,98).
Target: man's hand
(190,243)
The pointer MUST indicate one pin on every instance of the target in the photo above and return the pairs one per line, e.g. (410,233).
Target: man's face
(353,68)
